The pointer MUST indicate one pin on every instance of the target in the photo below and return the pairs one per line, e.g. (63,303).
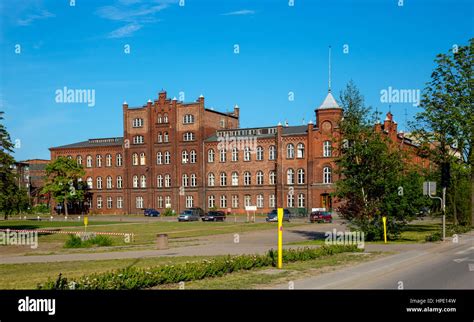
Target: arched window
(135,159)
(327,149)
(159,119)
(271,201)
(327,175)
(300,150)
(192,156)
(222,155)
(301,203)
(99,182)
(235,154)
(118,160)
(135,181)
(119,182)
(184,157)
(165,118)
(272,153)
(79,160)
(98,160)
(300,176)
(259,154)
(211,201)
(89,161)
(166,137)
(259,201)
(259,177)
(167,180)
(290,176)
(160,137)
(167,157)
(223,179)
(108,182)
(247,178)
(89,182)
(108,160)
(211,179)
(210,155)
(246,153)
(143,181)
(272,177)
(223,201)
(290,200)
(159,158)
(193,180)
(235,178)
(142,158)
(159,181)
(290,151)
(185,180)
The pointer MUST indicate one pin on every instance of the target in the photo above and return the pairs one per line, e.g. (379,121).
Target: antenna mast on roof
(329,81)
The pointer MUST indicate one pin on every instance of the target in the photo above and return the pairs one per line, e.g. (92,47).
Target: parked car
(273,215)
(191,214)
(150,212)
(320,216)
(214,216)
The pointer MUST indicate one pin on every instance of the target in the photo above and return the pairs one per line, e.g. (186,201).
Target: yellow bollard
(280,237)
(384,229)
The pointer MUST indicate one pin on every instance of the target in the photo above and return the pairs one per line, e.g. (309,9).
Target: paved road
(440,266)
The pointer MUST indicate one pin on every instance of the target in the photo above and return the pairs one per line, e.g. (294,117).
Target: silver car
(189,215)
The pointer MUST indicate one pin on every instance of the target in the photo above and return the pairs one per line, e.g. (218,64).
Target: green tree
(375,179)
(63,183)
(446,124)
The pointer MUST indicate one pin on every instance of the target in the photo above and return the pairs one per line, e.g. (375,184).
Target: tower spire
(329,80)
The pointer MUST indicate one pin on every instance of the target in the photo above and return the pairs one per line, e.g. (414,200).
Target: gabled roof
(329,102)
(117,141)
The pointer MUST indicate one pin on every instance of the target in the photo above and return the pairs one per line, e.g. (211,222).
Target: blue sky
(190,48)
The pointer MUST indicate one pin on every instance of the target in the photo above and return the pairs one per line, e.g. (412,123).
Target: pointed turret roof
(329,102)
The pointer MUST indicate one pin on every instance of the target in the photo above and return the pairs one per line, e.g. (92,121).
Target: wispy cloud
(136,13)
(30,18)
(244,12)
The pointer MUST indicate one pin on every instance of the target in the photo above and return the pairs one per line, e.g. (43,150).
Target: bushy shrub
(75,241)
(137,278)
(40,209)
(433,237)
(168,212)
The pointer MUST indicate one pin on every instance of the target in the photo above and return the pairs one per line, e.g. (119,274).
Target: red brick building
(180,155)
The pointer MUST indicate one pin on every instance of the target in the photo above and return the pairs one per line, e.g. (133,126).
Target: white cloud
(244,12)
(125,31)
(42,14)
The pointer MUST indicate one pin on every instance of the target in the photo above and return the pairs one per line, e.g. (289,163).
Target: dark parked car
(191,214)
(214,216)
(150,212)
(273,215)
(320,216)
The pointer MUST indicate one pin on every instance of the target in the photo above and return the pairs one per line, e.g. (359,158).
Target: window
(108,182)
(188,119)
(108,160)
(165,118)
(193,156)
(301,203)
(235,154)
(222,123)
(246,153)
(79,160)
(89,161)
(290,151)
(300,176)
(185,180)
(166,137)
(119,182)
(210,155)
(211,179)
(184,157)
(159,158)
(247,178)
(290,200)
(139,202)
(99,182)
(159,181)
(89,183)
(160,137)
(259,201)
(167,157)
(135,159)
(223,201)
(137,122)
(119,202)
(272,153)
(143,181)
(138,139)
(247,200)
(300,150)
(235,201)
(135,181)
(211,201)
(159,119)
(118,160)
(259,177)
(223,180)
(160,202)
(259,153)
(99,202)
(168,202)
(272,177)
(222,155)
(327,149)
(235,179)
(326,175)
(142,158)
(188,136)
(189,201)
(167,180)
(109,202)
(290,176)
(271,201)
(98,160)
(193,180)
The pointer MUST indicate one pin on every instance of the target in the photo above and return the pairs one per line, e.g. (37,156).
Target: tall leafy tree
(63,181)
(446,125)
